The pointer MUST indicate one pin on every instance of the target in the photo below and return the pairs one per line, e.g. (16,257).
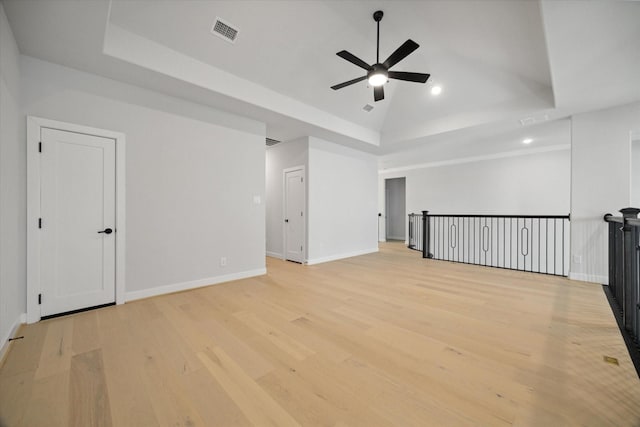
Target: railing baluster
(546,246)
(464,242)
(469,240)
(562,246)
(437,247)
(538,245)
(473,239)
(531,244)
(449,238)
(457,245)
(441,248)
(510,242)
(439,238)
(504,242)
(442,238)
(517,243)
(555,246)
(490,229)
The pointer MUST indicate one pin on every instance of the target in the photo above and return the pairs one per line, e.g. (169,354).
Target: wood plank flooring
(385,339)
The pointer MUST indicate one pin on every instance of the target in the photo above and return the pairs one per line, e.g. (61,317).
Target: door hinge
(39,147)
(39,299)
(301,213)
(301,179)
(300,248)
(39,222)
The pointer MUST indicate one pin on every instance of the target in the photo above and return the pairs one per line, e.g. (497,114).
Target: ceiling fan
(378,73)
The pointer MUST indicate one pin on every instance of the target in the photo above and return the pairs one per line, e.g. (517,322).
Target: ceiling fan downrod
(377,16)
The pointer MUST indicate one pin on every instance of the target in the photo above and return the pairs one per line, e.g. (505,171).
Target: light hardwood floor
(386,339)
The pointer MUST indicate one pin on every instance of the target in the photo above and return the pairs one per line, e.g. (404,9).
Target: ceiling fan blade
(410,77)
(401,53)
(353,59)
(378,93)
(350,82)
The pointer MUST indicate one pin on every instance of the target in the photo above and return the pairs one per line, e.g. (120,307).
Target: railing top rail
(611,218)
(500,216)
(634,221)
(629,216)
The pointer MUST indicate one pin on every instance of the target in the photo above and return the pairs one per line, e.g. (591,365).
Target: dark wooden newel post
(630,260)
(426,252)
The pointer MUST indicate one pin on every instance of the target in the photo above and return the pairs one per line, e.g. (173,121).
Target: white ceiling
(547,136)
(497,61)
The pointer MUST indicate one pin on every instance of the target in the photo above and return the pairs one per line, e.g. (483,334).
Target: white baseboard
(4,346)
(395,238)
(275,255)
(340,256)
(595,278)
(184,286)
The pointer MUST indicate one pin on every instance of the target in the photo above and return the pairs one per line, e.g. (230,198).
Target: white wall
(279,157)
(537,183)
(601,177)
(635,173)
(534,184)
(395,192)
(342,202)
(13,203)
(192,173)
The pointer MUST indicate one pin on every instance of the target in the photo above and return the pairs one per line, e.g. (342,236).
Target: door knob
(286,220)
(106,231)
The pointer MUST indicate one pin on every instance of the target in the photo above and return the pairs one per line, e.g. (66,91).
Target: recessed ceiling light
(527,141)
(436,90)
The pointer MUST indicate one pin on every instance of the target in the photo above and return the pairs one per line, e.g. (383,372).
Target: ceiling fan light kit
(378,74)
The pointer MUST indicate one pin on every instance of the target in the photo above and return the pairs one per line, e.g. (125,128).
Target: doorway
(294,214)
(395,208)
(75,208)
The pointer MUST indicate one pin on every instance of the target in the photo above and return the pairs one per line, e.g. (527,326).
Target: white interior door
(77,235)
(294,215)
(387,209)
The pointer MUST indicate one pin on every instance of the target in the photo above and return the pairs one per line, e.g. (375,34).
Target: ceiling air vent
(534,119)
(367,108)
(224,30)
(527,121)
(271,142)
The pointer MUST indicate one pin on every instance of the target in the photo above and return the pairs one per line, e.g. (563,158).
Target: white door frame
(34,125)
(284,211)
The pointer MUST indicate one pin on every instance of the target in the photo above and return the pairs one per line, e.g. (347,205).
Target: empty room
(319,213)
